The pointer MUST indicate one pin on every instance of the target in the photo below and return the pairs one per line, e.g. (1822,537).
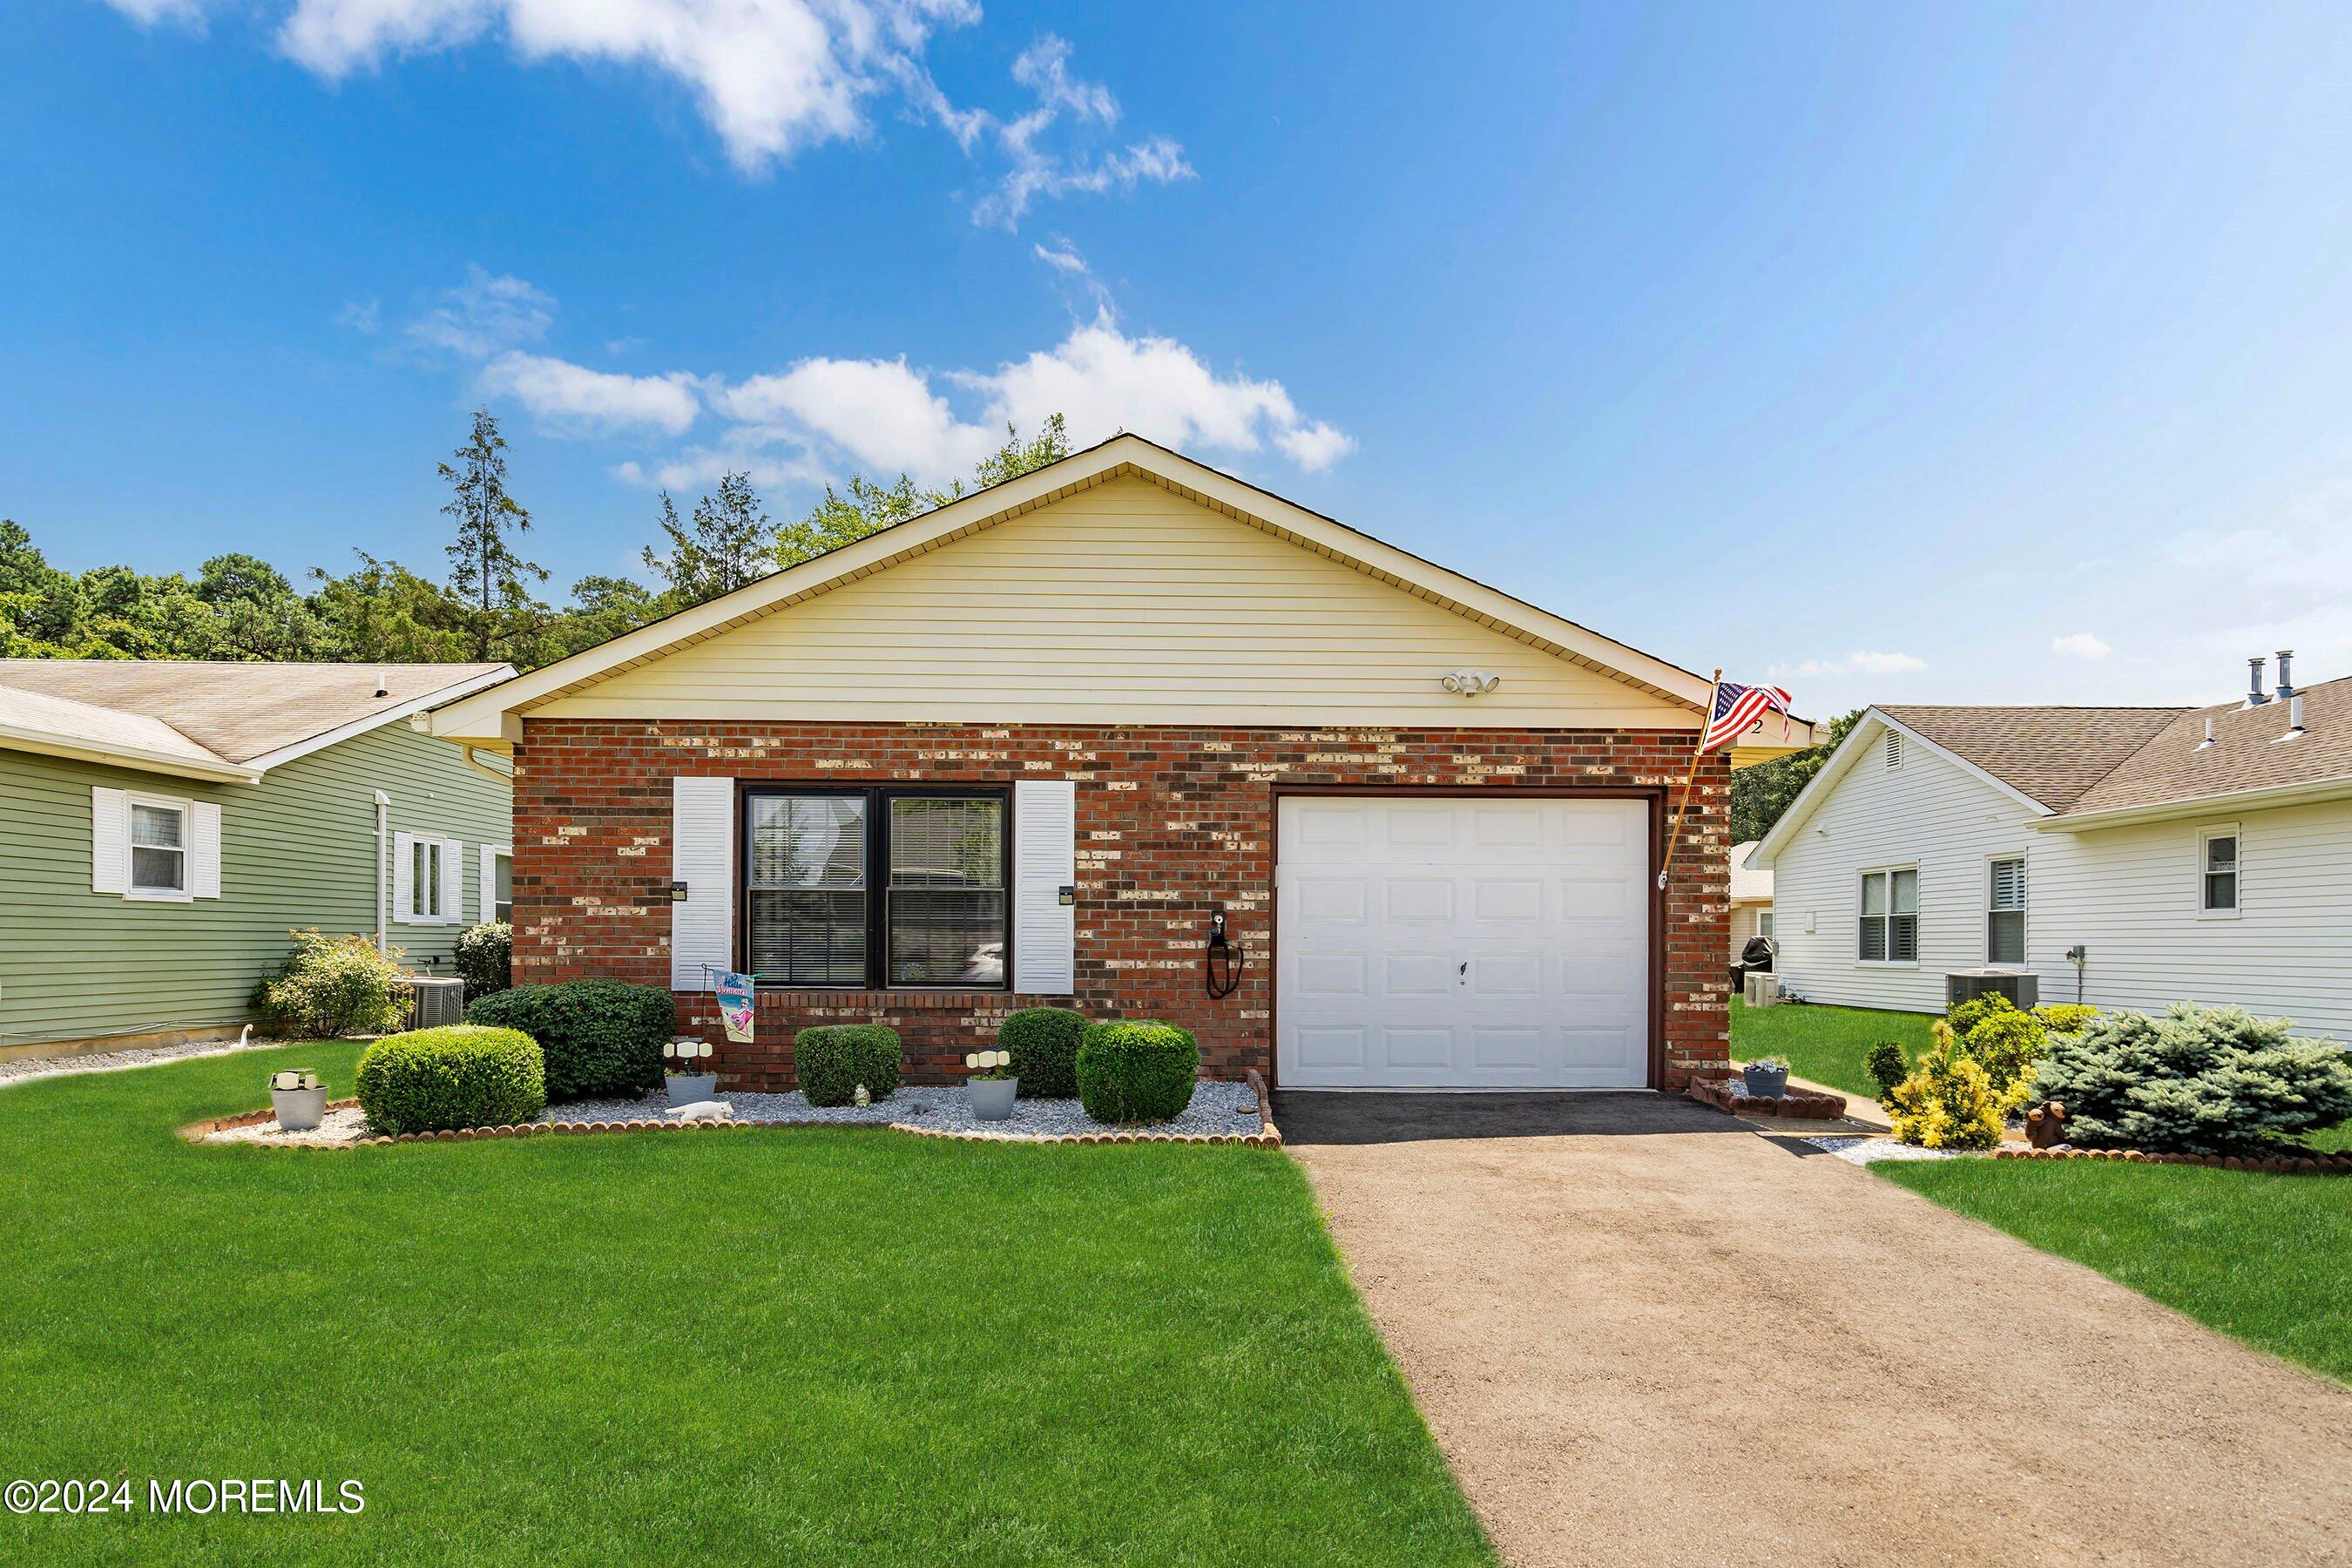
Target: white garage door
(1483,942)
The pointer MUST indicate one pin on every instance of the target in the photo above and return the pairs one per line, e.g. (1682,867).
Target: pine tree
(869,508)
(485,572)
(730,543)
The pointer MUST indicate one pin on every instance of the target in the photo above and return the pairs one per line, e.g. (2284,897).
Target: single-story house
(1751,899)
(2126,857)
(166,823)
(1039,745)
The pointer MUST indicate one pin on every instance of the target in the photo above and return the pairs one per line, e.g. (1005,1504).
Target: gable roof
(2051,754)
(492,716)
(204,720)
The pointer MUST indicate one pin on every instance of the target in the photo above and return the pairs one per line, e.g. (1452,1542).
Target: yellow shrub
(1949,1102)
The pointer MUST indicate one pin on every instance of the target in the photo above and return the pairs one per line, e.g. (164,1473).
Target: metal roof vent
(2255,696)
(2287,678)
(383,683)
(2209,733)
(2294,718)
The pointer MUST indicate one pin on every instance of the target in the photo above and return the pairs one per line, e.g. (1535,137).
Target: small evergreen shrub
(832,1059)
(1966,1015)
(1949,1102)
(486,959)
(2198,1080)
(601,1038)
(1044,1045)
(334,985)
(1886,1066)
(464,1075)
(1136,1071)
(2066,1018)
(2009,1046)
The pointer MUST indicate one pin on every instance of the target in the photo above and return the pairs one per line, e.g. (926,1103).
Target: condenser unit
(434,1002)
(2023,991)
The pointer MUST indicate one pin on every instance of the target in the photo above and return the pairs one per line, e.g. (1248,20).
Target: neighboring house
(1751,899)
(1029,747)
(2199,854)
(166,823)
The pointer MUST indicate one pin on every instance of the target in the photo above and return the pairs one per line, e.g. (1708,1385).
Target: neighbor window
(2218,871)
(875,888)
(428,893)
(501,886)
(159,848)
(1890,916)
(1764,922)
(2005,913)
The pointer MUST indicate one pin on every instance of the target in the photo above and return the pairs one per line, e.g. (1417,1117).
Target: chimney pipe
(2294,714)
(2255,696)
(383,683)
(2209,733)
(2286,680)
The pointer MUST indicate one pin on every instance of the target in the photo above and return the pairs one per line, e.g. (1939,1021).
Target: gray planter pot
(686,1088)
(298,1109)
(1766,1083)
(991,1097)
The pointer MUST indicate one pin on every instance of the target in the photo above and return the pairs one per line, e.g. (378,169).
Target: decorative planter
(298,1109)
(686,1088)
(991,1097)
(1764,1082)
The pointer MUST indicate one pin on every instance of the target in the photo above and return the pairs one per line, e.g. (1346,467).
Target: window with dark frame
(877,888)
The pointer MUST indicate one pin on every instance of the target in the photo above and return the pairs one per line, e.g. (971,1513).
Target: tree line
(486,603)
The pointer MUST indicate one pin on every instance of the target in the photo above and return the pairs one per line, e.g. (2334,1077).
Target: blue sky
(1897,354)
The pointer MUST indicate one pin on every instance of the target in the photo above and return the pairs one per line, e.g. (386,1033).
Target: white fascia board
(133,757)
(488,716)
(414,705)
(2273,796)
(1857,744)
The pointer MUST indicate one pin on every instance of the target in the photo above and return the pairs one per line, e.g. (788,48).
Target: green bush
(1949,1102)
(1884,1064)
(1137,1072)
(1966,1015)
(2198,1080)
(486,958)
(1044,1045)
(334,985)
(603,1038)
(832,1059)
(463,1075)
(2066,1018)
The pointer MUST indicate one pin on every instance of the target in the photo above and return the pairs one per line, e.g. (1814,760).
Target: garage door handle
(1466,969)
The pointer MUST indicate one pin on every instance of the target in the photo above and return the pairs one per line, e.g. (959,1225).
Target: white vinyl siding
(2005,911)
(1122,603)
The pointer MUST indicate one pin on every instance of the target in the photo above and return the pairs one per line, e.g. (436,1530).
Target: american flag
(1736,708)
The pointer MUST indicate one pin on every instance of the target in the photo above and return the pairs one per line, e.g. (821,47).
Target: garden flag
(738,1002)
(1736,708)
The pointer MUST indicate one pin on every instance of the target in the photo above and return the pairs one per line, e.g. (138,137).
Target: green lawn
(2267,1259)
(798,1345)
(1824,1044)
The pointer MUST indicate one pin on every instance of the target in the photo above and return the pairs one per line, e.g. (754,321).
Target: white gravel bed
(1220,1108)
(1870,1150)
(31,1067)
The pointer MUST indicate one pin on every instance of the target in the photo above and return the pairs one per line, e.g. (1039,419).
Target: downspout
(382,857)
(484,768)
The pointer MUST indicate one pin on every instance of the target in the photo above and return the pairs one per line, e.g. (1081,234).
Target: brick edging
(2299,1166)
(1268,1132)
(1726,1094)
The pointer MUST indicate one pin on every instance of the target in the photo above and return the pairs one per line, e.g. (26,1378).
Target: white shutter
(403,879)
(702,855)
(490,857)
(110,840)
(1045,861)
(2008,884)
(453,881)
(203,849)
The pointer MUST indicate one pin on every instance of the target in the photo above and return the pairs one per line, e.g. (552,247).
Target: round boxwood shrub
(1044,1045)
(832,1059)
(463,1075)
(603,1038)
(1136,1071)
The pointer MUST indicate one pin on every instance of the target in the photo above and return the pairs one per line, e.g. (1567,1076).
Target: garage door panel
(1463,942)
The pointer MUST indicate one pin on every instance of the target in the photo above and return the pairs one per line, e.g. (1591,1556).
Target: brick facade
(1169,821)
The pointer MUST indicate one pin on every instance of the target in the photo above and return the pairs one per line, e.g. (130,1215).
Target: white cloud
(879,412)
(362,316)
(484,315)
(1063,258)
(147,13)
(1316,447)
(1861,661)
(572,399)
(2080,645)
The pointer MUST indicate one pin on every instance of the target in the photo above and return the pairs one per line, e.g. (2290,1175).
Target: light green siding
(297,849)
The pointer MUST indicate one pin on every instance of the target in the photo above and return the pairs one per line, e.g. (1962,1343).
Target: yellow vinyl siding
(1120,604)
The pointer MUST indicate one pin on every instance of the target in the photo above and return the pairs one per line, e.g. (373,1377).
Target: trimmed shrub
(2066,1018)
(1137,1072)
(2198,1080)
(463,1075)
(1949,1102)
(1966,1015)
(333,985)
(486,958)
(1044,1045)
(601,1038)
(2008,1046)
(1886,1066)
(832,1059)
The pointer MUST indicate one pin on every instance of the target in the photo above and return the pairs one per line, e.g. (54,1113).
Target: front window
(1890,916)
(2219,880)
(159,848)
(2005,913)
(875,888)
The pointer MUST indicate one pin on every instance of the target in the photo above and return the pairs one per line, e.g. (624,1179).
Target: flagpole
(1691,778)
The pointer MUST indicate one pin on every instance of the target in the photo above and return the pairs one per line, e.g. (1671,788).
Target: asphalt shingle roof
(2052,754)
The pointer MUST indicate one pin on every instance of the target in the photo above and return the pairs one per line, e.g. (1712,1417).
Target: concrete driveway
(1642,1333)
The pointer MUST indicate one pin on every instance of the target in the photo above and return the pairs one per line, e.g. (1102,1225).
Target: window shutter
(203,849)
(702,855)
(489,858)
(110,840)
(2008,884)
(403,877)
(453,881)
(1045,861)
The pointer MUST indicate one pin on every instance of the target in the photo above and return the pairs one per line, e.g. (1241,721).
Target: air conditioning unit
(2023,991)
(1762,988)
(434,1002)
